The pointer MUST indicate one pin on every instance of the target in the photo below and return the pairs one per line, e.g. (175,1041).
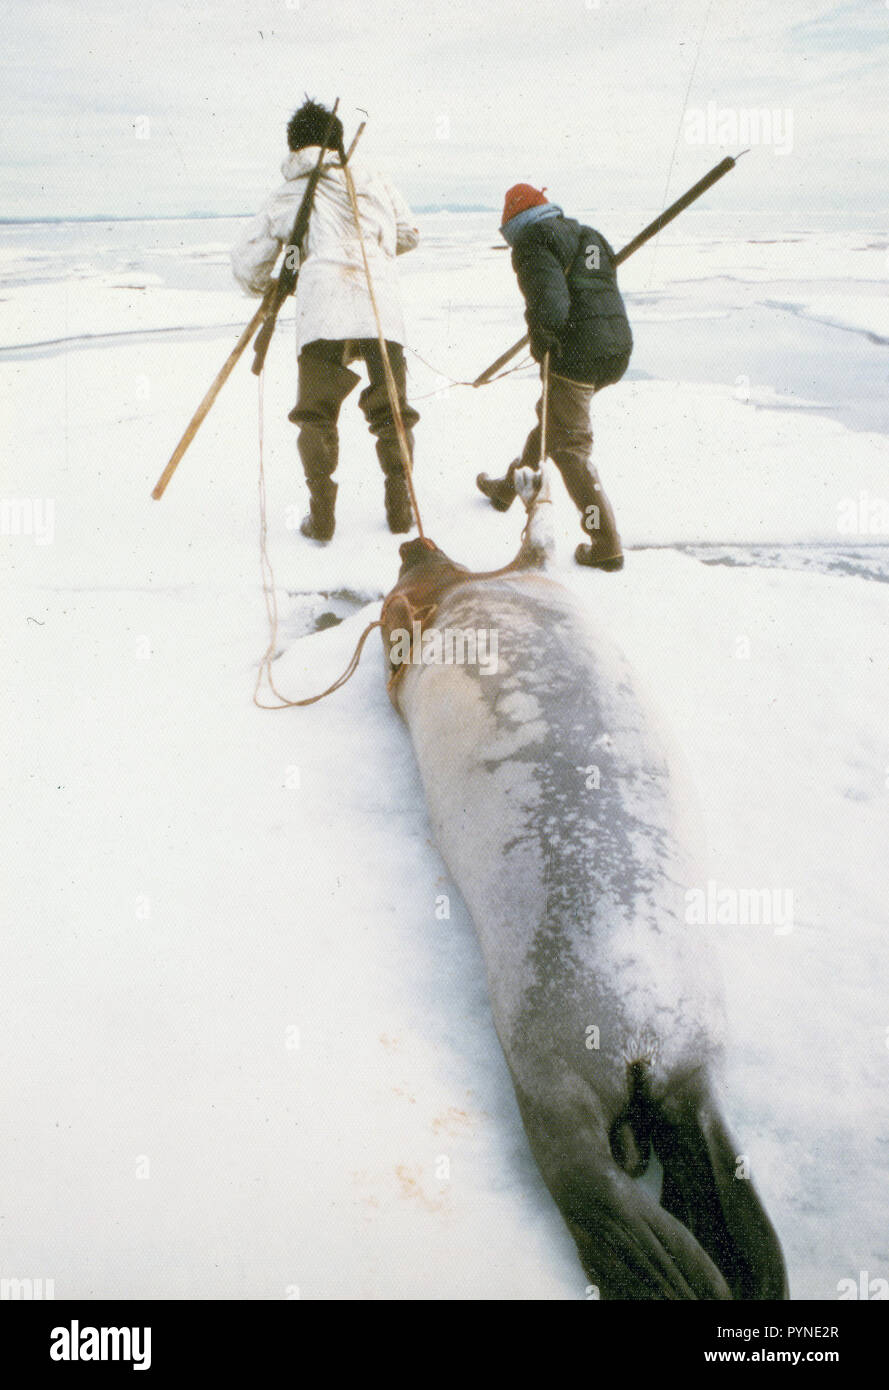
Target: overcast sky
(464,97)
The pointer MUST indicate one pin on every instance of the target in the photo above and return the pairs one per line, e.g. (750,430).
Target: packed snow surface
(244,1051)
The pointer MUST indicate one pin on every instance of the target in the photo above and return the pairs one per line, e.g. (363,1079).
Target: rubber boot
(604,550)
(319,522)
(399,512)
(374,402)
(500,492)
(323,386)
(588,555)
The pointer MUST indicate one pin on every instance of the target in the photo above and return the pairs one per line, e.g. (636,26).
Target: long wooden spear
(645,235)
(219,381)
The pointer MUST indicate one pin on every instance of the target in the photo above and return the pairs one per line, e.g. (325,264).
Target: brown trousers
(569,443)
(324,383)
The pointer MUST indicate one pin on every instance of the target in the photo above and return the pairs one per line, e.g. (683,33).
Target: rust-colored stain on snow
(411,1190)
(454,1122)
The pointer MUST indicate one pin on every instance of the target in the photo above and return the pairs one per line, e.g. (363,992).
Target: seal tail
(710,1237)
(629,1245)
(706,1188)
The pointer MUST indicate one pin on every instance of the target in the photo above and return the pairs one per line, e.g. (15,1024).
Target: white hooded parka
(332,299)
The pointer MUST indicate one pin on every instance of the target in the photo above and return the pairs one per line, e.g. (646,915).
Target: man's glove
(542,341)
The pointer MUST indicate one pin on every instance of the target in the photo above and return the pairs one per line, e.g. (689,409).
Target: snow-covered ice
(242,1053)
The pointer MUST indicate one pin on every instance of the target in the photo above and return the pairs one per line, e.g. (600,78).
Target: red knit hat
(519,197)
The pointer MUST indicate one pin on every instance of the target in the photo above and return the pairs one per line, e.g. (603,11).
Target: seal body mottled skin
(563,815)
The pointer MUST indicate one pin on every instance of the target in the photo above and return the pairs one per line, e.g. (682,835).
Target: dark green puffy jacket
(567,274)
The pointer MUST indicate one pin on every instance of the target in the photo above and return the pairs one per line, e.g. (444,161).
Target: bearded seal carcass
(560,812)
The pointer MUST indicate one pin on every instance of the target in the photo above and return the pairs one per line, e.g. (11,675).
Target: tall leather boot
(399,512)
(319,522)
(323,386)
(374,402)
(604,550)
(500,492)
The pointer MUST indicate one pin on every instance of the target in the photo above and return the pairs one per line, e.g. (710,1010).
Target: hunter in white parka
(332,299)
(335,322)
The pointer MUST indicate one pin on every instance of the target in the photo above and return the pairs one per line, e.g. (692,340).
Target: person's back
(555,253)
(335,320)
(579,333)
(332,299)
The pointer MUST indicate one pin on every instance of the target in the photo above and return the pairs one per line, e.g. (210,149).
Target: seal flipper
(702,1190)
(629,1246)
